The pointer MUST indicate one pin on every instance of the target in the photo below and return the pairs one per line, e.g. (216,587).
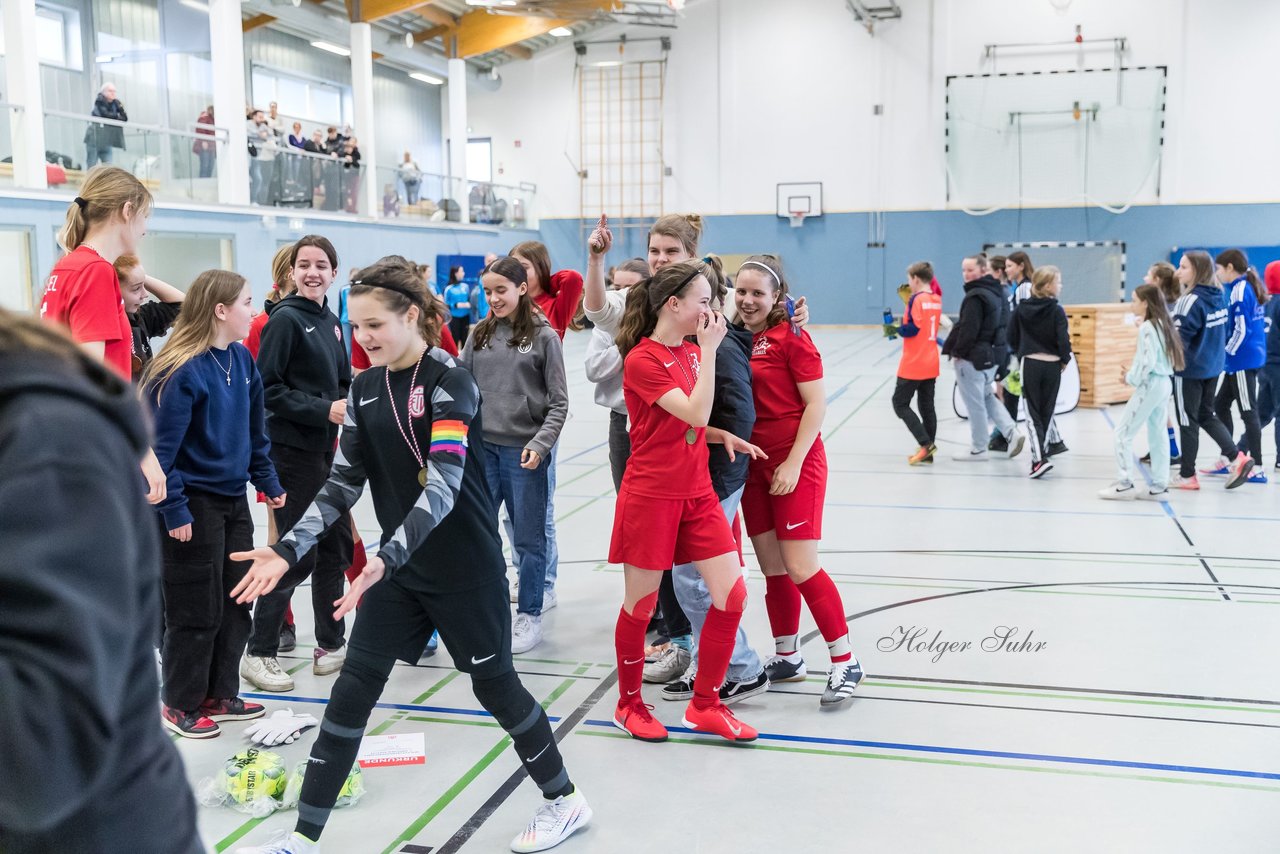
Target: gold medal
(691,436)
(422,478)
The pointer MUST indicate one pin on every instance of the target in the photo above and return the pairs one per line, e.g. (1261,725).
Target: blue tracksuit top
(1271,321)
(1201,318)
(1246,329)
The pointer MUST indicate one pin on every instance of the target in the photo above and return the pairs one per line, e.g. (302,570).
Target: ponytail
(646,298)
(104,194)
(1259,289)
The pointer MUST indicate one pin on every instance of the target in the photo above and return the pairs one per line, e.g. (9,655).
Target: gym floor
(1075,675)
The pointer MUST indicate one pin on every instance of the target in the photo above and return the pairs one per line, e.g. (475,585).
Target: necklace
(690,435)
(409,438)
(227,369)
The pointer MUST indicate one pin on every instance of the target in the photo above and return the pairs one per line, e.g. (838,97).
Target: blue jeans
(553,550)
(524,493)
(206,162)
(94,155)
(695,599)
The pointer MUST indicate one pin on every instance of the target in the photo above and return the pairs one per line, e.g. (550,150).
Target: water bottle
(890,327)
(791,313)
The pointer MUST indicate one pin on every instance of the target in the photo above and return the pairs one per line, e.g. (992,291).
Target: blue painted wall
(828,259)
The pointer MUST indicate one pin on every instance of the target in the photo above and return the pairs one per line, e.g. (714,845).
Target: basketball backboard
(800,198)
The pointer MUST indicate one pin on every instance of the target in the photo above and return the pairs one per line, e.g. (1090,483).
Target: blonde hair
(103,195)
(281,281)
(687,228)
(195,328)
(1043,278)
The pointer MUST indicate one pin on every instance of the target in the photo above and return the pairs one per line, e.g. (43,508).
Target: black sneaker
(233,709)
(1040,468)
(998,443)
(681,689)
(288,639)
(732,692)
(785,669)
(1145,458)
(1055,448)
(188,724)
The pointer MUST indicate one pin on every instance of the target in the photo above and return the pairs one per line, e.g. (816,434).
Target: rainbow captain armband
(449,437)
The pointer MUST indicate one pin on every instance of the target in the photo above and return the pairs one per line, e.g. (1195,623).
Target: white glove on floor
(283,727)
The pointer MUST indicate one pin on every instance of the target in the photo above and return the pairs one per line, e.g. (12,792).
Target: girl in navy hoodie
(1201,318)
(1246,354)
(211,438)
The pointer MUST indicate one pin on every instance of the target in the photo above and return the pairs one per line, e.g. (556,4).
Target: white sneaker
(1016,443)
(265,674)
(526,633)
(668,666)
(327,661)
(283,842)
(548,599)
(553,823)
(970,456)
(1153,494)
(1121,490)
(515,590)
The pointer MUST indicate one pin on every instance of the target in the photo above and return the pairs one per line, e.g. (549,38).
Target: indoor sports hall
(1004,275)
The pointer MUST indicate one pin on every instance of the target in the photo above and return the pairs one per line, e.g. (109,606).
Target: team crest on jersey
(526,346)
(417,403)
(760,347)
(695,364)
(337,331)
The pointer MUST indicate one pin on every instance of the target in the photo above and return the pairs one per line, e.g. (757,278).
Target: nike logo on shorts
(637,661)
(366,401)
(539,753)
(791,527)
(311,329)
(475,660)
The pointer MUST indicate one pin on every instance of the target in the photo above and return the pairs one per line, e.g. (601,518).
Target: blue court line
(407,707)
(994,754)
(582,453)
(991,510)
(835,395)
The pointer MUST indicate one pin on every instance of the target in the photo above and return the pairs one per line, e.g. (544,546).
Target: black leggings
(1040,382)
(1241,388)
(1194,401)
(924,428)
(395,622)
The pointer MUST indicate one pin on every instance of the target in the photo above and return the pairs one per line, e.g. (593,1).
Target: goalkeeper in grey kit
(439,566)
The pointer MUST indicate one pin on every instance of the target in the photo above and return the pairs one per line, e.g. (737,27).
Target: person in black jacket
(975,344)
(1039,337)
(89,769)
(305,378)
(147,319)
(100,138)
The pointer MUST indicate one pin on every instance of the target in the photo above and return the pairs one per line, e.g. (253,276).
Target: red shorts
(658,533)
(796,515)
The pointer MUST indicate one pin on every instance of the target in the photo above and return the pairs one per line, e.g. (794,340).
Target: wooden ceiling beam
(518,51)
(250,24)
(428,35)
(480,32)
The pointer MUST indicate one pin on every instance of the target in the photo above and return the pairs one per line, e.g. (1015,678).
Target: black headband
(416,299)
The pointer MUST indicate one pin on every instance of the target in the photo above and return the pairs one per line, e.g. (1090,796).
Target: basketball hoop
(797,218)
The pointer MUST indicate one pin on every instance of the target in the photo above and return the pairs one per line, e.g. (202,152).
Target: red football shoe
(718,720)
(634,718)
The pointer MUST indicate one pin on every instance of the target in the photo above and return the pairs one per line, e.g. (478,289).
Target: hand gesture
(157,484)
(338,411)
(735,445)
(277,502)
(800,313)
(372,574)
(182,533)
(601,240)
(262,577)
(785,478)
(712,328)
(529,459)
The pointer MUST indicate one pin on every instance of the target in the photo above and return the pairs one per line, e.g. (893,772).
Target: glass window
(51,37)
(16,291)
(326,104)
(479,160)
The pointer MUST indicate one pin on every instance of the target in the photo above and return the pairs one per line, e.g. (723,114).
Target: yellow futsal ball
(352,788)
(253,774)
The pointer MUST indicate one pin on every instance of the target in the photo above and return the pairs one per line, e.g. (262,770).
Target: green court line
(399,715)
(575,479)
(953,762)
(1258,601)
(429,720)
(581,507)
(857,408)
(463,782)
(236,834)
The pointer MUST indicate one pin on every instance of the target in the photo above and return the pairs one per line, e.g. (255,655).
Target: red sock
(823,598)
(782,601)
(288,615)
(715,647)
(628,641)
(358,560)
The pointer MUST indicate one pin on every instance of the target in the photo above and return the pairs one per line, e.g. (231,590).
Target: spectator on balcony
(315,145)
(262,154)
(411,177)
(296,139)
(333,143)
(99,138)
(351,175)
(205,149)
(275,122)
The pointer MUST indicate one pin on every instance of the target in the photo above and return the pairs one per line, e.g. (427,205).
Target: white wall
(761,92)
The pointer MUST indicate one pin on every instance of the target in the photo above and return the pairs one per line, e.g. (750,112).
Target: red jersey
(254,339)
(83,294)
(360,359)
(663,463)
(920,351)
(780,361)
(559,301)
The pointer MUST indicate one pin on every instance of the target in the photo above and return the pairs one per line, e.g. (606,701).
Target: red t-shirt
(920,351)
(662,464)
(83,294)
(780,359)
(254,339)
(559,301)
(360,359)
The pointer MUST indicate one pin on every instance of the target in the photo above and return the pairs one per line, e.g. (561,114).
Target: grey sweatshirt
(524,399)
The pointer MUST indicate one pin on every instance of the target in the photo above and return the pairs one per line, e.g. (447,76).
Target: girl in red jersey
(783,499)
(281,287)
(82,292)
(667,510)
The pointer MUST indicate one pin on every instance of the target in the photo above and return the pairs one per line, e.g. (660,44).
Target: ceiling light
(561,32)
(610,63)
(426,78)
(508,2)
(196,4)
(332,48)
(408,40)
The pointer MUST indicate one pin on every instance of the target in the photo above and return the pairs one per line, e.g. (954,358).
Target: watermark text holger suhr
(918,639)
